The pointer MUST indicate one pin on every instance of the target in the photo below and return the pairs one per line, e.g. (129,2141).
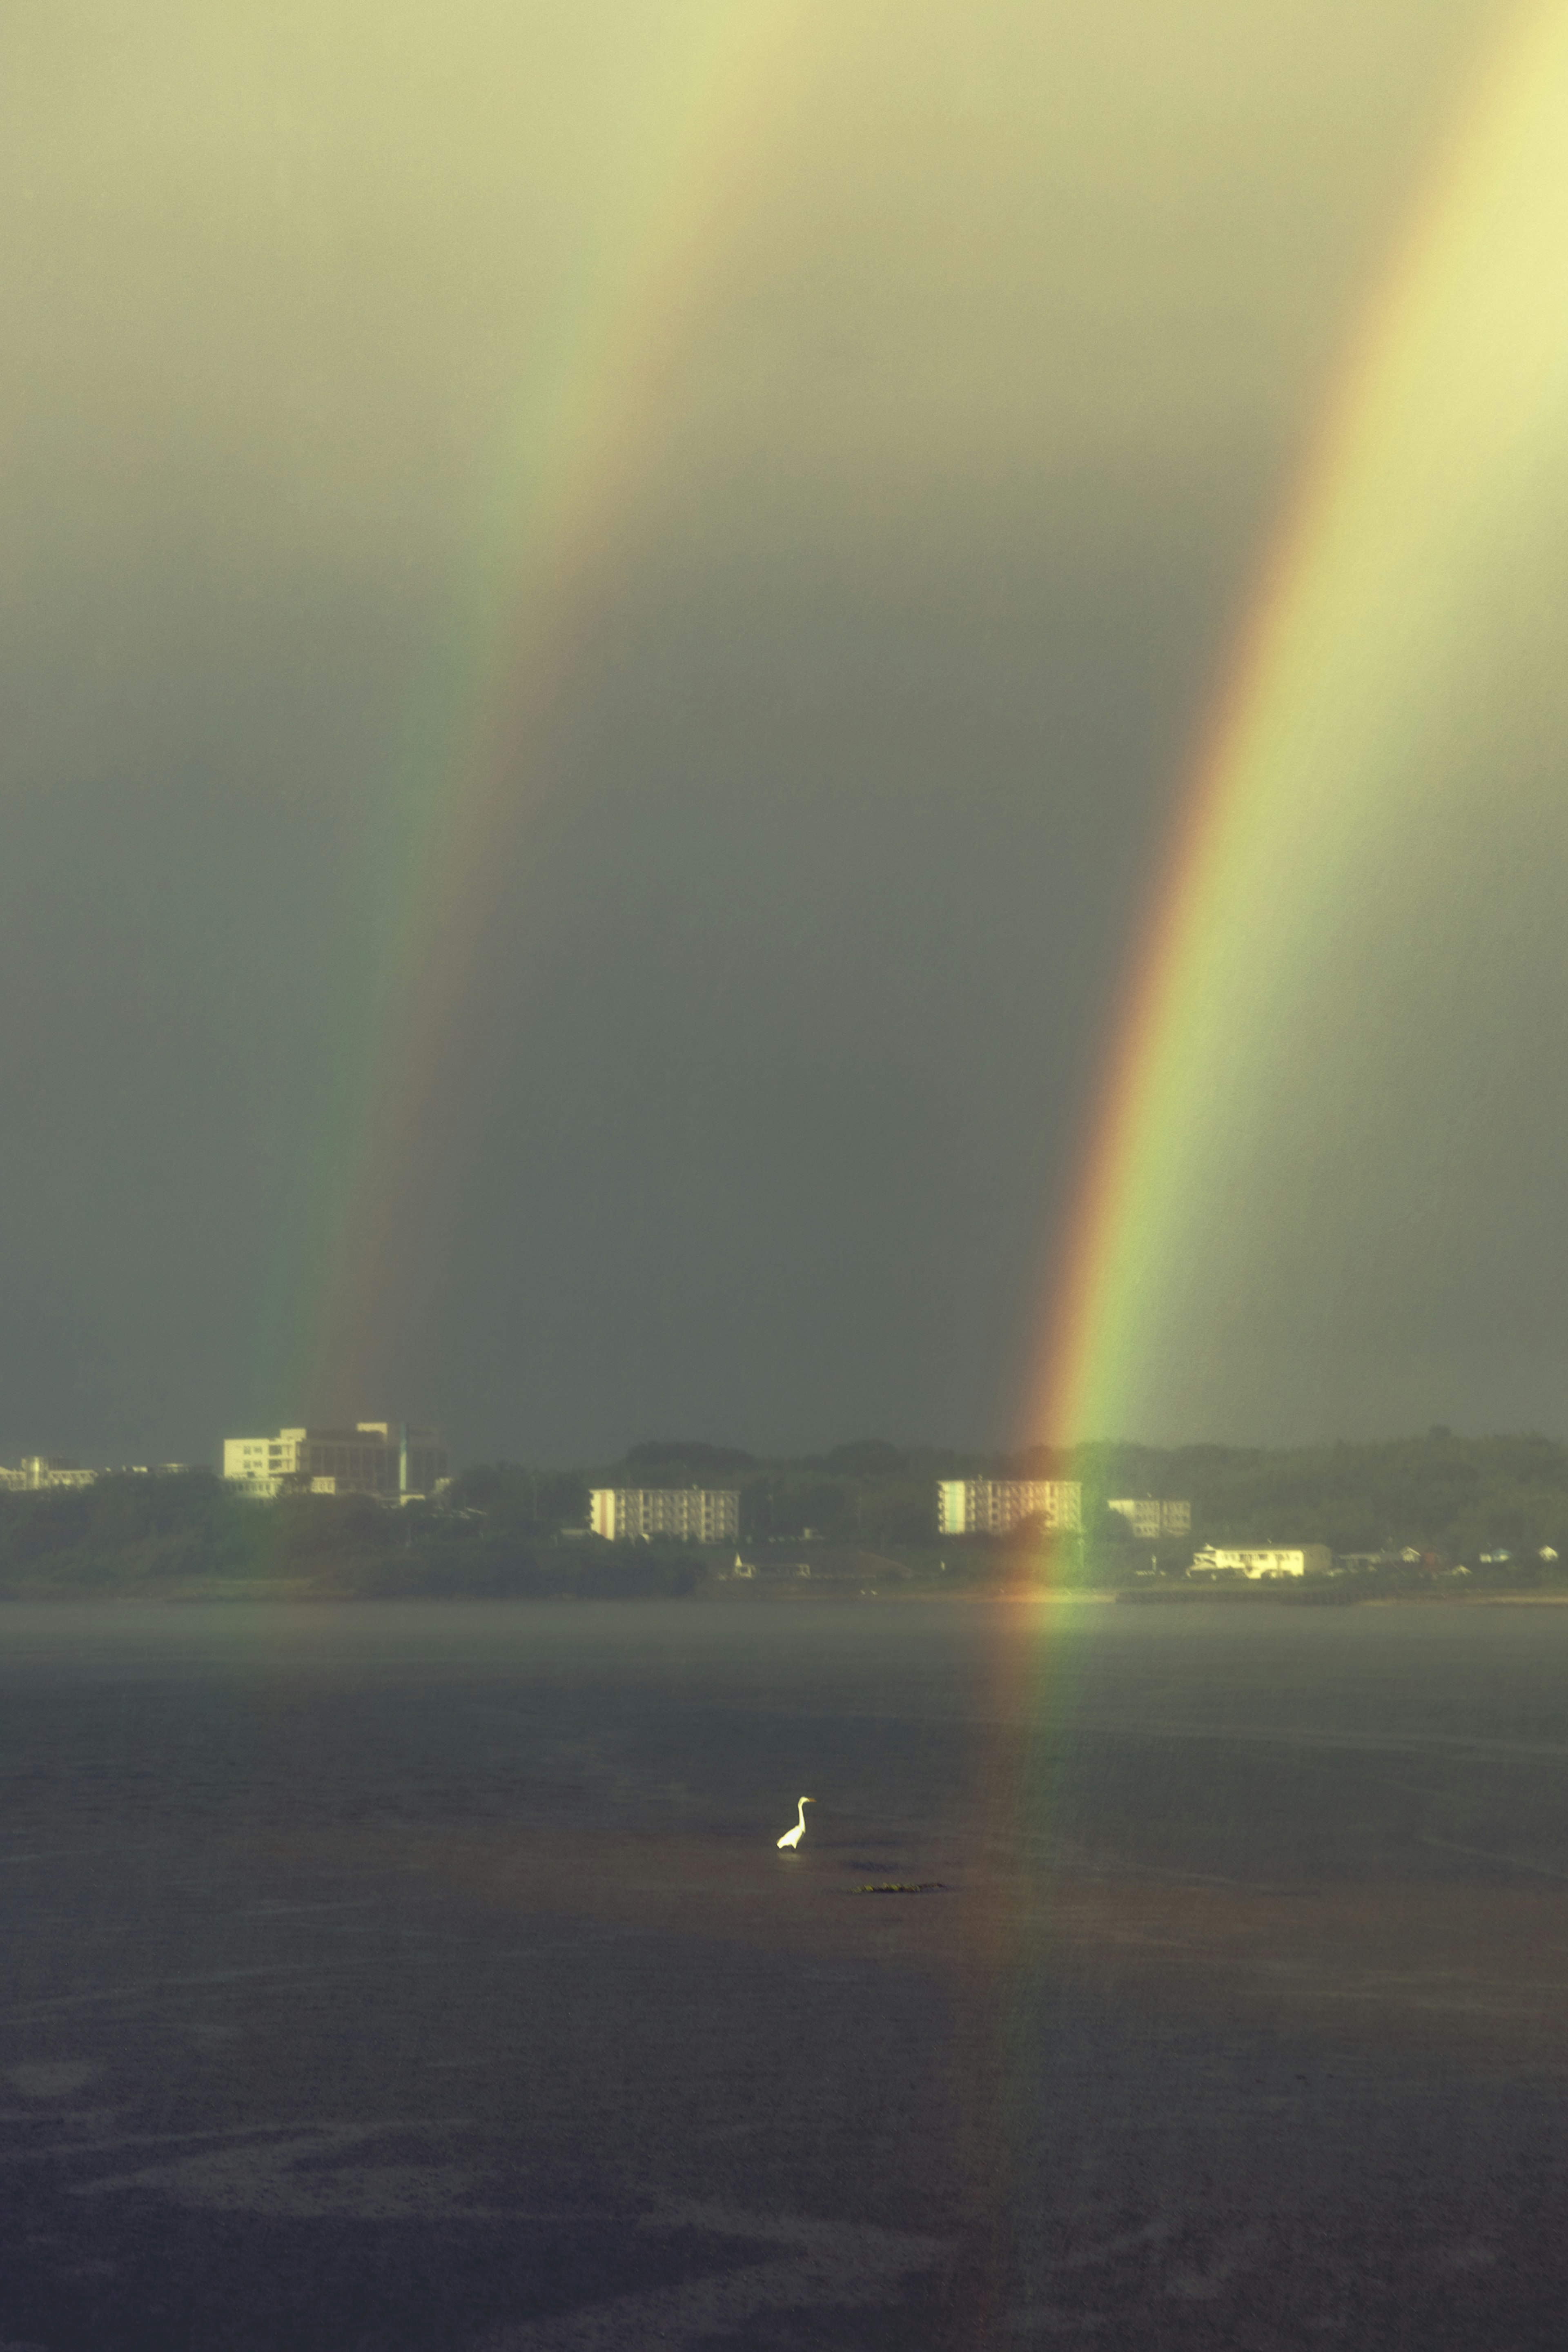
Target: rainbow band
(358,1248)
(1368,636)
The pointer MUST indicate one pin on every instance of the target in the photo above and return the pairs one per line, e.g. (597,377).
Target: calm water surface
(428,1977)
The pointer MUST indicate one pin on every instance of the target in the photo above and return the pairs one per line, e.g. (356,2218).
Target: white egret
(792,1837)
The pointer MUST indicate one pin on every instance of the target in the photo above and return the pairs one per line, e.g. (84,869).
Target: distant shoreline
(279,1592)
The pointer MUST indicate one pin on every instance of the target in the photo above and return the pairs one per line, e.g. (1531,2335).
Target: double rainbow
(1452,405)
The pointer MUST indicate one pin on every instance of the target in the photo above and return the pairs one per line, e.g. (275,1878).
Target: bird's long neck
(800,1808)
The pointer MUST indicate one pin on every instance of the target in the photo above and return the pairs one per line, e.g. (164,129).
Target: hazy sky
(963,383)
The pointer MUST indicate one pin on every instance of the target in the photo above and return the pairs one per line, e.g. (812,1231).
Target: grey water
(419,1976)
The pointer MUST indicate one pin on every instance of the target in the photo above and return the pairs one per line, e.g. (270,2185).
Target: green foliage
(869,1457)
(495,1568)
(784,1504)
(508,1496)
(1454,1496)
(123,1528)
(189,1531)
(680,1462)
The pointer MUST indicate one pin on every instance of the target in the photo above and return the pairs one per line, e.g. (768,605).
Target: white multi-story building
(1299,1560)
(695,1513)
(992,1506)
(374,1457)
(1147,1517)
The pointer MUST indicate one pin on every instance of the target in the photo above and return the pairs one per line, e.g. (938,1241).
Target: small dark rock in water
(905,1886)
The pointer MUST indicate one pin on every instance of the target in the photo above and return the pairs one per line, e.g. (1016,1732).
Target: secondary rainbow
(345,1270)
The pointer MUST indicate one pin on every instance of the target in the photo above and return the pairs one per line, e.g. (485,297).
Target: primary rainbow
(1371,625)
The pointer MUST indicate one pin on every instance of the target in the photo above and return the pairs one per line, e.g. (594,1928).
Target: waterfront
(407,1975)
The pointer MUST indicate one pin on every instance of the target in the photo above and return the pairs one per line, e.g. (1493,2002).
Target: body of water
(384,1978)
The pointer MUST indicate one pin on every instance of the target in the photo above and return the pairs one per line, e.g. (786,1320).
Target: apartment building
(695,1514)
(993,1506)
(391,1459)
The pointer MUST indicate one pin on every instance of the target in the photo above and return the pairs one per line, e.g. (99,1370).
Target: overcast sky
(991,337)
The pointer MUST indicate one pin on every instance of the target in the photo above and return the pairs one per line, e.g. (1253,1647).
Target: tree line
(1458,1498)
(1497,1505)
(188,1530)
(1463,1500)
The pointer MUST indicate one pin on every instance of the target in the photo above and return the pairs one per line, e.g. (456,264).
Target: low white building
(1269,1560)
(993,1506)
(1149,1517)
(375,1457)
(41,1471)
(695,1514)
